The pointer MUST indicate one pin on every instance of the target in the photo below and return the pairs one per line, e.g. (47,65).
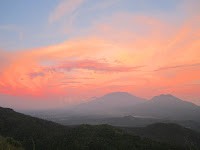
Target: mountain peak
(112,103)
(165,97)
(118,94)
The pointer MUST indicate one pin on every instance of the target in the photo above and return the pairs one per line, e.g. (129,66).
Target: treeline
(38,134)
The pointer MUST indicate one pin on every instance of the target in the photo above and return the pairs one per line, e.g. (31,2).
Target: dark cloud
(36,74)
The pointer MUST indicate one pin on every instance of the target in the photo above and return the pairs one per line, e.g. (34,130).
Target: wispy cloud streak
(177,66)
(93,65)
(64,8)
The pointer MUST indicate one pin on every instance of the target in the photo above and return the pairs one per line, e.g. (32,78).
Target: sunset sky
(57,53)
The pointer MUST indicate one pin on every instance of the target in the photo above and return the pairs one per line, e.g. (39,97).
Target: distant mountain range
(122,104)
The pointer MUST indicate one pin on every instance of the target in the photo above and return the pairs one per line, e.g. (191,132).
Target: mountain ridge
(168,106)
(120,104)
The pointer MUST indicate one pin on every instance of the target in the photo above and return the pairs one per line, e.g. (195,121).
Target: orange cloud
(177,66)
(89,65)
(139,54)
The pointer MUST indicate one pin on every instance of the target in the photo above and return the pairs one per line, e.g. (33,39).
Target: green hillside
(38,134)
(169,133)
(10,144)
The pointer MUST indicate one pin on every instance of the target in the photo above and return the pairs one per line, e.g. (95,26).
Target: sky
(59,53)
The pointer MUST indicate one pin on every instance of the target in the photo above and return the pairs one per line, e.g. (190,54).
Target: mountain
(168,107)
(169,133)
(40,134)
(111,109)
(110,104)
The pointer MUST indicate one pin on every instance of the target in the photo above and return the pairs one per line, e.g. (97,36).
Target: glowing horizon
(78,49)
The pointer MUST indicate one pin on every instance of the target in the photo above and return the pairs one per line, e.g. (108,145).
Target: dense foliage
(38,134)
(9,144)
(105,137)
(168,133)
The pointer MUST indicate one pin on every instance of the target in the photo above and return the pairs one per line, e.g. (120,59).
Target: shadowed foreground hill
(9,144)
(39,134)
(169,133)
(105,137)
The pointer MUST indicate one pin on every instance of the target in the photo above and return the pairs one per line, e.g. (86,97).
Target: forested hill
(39,134)
(168,133)
(10,144)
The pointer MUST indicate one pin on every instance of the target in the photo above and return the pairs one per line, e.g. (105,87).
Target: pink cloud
(92,65)
(113,57)
(177,66)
